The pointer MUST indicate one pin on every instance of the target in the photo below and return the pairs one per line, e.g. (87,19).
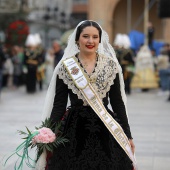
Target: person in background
(21,57)
(58,52)
(163,66)
(31,62)
(166,47)
(125,57)
(144,77)
(2,60)
(168,77)
(8,69)
(17,60)
(169,92)
(127,69)
(41,61)
(151,32)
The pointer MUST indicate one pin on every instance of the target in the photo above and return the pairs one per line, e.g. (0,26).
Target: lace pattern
(101,79)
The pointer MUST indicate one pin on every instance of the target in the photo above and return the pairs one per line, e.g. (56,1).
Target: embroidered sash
(82,83)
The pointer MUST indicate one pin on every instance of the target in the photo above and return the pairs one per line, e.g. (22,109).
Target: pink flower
(45,136)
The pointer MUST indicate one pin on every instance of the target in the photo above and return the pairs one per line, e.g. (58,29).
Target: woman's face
(89,40)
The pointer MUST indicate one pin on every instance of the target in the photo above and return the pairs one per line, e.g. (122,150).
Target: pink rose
(45,136)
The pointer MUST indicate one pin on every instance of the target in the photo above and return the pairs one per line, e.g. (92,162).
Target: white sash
(95,102)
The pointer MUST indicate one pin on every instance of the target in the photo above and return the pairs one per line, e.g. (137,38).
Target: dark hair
(87,24)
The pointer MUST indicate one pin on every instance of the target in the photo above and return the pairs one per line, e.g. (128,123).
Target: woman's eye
(85,36)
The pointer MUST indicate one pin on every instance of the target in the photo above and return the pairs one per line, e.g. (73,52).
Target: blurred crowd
(143,69)
(33,65)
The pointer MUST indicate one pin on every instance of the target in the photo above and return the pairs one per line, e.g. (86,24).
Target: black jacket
(2,58)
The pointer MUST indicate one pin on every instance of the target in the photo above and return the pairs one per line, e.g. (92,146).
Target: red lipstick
(90,46)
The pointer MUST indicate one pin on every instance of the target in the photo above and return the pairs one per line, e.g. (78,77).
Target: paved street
(149,119)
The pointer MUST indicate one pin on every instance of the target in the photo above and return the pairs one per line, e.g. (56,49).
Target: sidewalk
(150,122)
(149,117)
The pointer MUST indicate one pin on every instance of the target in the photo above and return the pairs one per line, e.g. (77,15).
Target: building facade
(121,16)
(79,11)
(51,18)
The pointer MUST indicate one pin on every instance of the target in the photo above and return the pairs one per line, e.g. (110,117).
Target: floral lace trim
(101,78)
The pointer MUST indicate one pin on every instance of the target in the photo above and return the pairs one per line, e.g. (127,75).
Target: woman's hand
(132,145)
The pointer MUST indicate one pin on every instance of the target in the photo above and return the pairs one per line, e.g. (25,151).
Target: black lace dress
(90,146)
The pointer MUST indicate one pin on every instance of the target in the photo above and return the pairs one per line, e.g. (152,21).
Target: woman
(144,76)
(91,145)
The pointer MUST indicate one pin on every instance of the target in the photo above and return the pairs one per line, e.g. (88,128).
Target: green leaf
(22,132)
(36,128)
(28,131)
(48,148)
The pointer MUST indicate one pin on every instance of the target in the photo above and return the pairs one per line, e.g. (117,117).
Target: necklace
(86,64)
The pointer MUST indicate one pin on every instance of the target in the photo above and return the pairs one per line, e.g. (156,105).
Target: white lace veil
(72,49)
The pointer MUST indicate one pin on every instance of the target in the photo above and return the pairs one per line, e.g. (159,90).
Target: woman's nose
(90,39)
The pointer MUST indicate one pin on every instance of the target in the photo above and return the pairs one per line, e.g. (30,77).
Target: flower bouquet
(46,137)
